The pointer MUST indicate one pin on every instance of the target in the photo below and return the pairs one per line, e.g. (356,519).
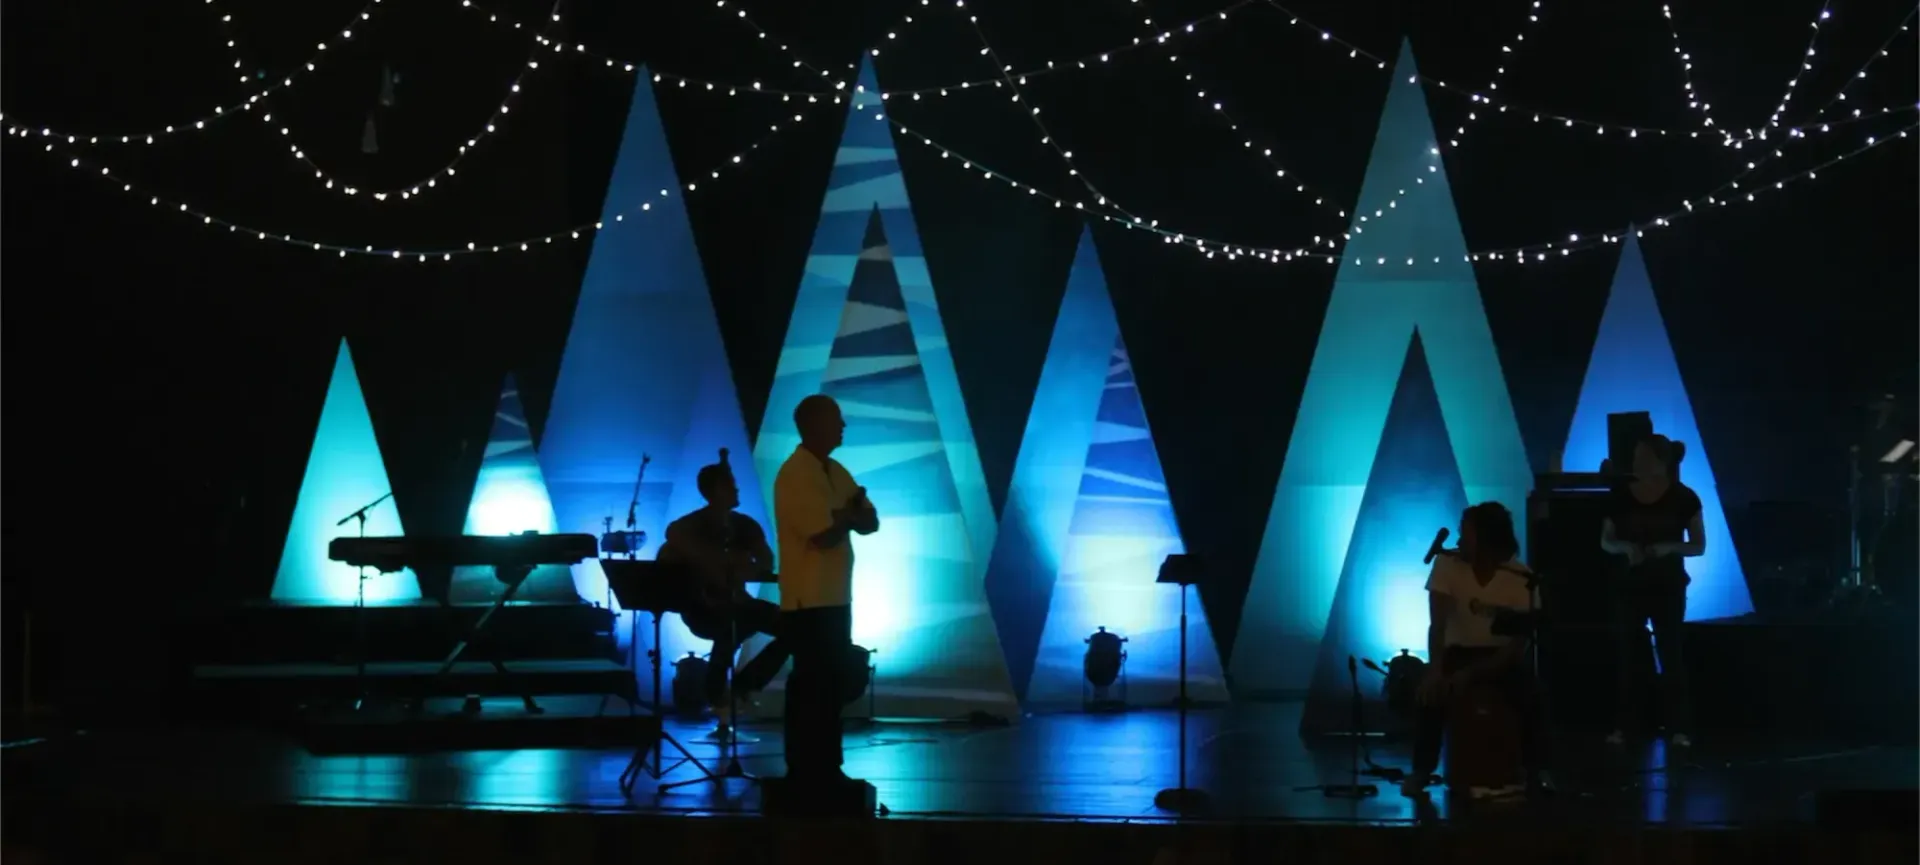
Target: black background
(164,376)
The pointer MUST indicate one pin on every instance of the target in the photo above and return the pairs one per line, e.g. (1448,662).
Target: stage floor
(1063,766)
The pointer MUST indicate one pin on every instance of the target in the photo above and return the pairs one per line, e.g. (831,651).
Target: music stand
(649,587)
(1183,571)
(730,736)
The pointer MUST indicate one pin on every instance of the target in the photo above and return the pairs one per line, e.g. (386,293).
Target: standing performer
(816,506)
(1470,587)
(1654,522)
(724,547)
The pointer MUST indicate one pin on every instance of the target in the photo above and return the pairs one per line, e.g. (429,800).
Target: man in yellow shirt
(816,505)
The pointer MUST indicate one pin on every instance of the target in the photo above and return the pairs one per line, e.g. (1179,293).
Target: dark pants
(1519,687)
(750,616)
(820,639)
(1666,607)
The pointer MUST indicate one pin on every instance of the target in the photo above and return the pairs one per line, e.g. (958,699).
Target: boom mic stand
(360,607)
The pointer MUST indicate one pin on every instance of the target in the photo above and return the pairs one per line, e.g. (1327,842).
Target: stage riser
(616,729)
(428,837)
(286,634)
(271,695)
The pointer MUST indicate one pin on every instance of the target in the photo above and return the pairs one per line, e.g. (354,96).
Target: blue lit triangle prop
(1404,269)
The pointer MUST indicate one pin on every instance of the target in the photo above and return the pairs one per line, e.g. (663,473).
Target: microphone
(1434,549)
(1373,666)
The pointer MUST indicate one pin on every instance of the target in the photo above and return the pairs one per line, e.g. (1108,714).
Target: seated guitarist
(723,548)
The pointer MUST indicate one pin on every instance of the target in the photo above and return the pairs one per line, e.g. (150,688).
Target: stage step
(502,723)
(262,633)
(273,688)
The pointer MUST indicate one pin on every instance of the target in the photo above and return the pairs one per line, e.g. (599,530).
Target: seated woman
(1469,587)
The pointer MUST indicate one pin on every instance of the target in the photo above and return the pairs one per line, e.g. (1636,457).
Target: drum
(1483,741)
(857,675)
(690,685)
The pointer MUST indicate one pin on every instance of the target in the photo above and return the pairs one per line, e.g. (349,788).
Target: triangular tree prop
(1404,269)
(1088,523)
(344,473)
(644,372)
(1380,606)
(1633,369)
(866,330)
(510,497)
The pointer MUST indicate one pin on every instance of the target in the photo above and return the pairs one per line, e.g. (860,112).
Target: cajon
(1483,741)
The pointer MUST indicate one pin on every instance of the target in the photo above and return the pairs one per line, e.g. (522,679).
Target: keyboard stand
(512,576)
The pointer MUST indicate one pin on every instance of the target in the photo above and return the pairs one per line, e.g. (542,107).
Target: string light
(1751,168)
(1219,109)
(1806,66)
(1356,52)
(530,244)
(220,112)
(1695,102)
(1730,192)
(1860,74)
(232,39)
(1082,62)
(741,16)
(408,191)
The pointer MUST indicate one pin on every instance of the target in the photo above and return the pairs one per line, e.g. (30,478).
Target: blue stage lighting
(1381,604)
(644,371)
(866,330)
(1633,369)
(1405,270)
(1088,521)
(344,473)
(510,497)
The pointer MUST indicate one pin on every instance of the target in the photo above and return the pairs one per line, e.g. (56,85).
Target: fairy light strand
(1541,252)
(408,191)
(1696,102)
(1218,108)
(1734,142)
(127,187)
(1906,26)
(1806,68)
(220,112)
(1717,198)
(740,15)
(1082,62)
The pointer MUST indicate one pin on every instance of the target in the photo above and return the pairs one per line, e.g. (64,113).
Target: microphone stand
(360,607)
(1354,790)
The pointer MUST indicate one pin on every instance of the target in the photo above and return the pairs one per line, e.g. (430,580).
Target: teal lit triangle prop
(1633,369)
(1088,523)
(510,497)
(644,371)
(1405,268)
(344,473)
(866,329)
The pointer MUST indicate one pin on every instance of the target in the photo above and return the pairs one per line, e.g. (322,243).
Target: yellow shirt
(806,492)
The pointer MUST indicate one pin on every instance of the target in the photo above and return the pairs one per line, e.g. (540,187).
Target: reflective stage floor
(1081,770)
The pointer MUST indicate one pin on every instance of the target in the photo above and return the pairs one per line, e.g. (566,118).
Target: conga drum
(1483,742)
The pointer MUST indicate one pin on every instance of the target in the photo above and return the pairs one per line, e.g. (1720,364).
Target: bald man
(817,506)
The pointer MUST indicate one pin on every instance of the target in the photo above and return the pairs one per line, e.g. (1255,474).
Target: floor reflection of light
(525,777)
(1654,780)
(372,779)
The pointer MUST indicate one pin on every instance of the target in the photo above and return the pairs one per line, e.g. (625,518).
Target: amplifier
(1563,533)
